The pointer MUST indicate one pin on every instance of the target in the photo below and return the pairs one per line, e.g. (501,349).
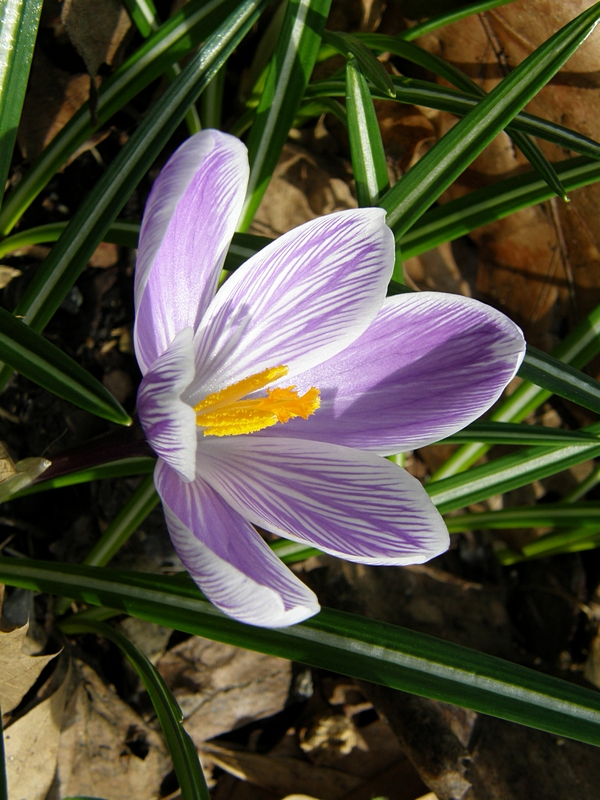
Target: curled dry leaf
(18,671)
(106,749)
(97,29)
(7,274)
(53,97)
(220,687)
(32,744)
(282,775)
(301,189)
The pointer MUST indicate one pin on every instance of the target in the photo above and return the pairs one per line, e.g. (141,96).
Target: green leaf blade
(183,752)
(356,646)
(504,474)
(427,179)
(366,147)
(493,432)
(19,21)
(465,214)
(289,71)
(175,39)
(561,379)
(449,17)
(351,46)
(86,230)
(46,365)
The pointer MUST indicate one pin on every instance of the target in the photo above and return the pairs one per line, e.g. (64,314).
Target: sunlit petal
(297,302)
(346,502)
(188,223)
(428,365)
(168,422)
(231,563)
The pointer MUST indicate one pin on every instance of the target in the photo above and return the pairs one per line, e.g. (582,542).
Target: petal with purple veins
(187,227)
(298,301)
(429,364)
(237,571)
(346,502)
(168,422)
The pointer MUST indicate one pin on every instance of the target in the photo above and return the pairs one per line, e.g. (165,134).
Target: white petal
(188,223)
(168,422)
(230,562)
(346,502)
(298,301)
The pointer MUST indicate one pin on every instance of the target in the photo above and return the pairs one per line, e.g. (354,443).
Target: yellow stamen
(226,413)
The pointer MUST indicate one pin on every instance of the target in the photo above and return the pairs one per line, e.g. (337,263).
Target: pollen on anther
(226,413)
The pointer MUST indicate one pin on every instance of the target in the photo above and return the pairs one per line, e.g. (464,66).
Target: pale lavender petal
(168,422)
(229,561)
(346,502)
(302,299)
(429,364)
(188,223)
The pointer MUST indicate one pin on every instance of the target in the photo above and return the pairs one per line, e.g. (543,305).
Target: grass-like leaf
(430,95)
(440,166)
(18,28)
(86,230)
(508,433)
(423,92)
(549,373)
(127,521)
(440,224)
(124,468)
(508,472)
(349,644)
(586,537)
(448,71)
(145,17)
(366,148)
(175,39)
(448,17)
(546,515)
(292,552)
(126,233)
(183,752)
(289,71)
(465,214)
(351,46)
(42,362)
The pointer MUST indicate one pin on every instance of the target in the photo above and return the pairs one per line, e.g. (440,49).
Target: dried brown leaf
(18,671)
(283,775)
(32,744)
(106,748)
(7,274)
(97,28)
(53,97)
(541,265)
(302,188)
(220,687)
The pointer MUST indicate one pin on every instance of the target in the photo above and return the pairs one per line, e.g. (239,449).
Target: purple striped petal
(229,561)
(168,422)
(346,502)
(299,301)
(429,364)
(188,223)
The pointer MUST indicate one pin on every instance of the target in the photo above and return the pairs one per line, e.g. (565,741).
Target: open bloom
(272,402)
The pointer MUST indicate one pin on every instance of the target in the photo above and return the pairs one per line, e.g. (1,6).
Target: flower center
(226,413)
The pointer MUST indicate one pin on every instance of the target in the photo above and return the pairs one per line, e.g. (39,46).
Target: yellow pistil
(226,413)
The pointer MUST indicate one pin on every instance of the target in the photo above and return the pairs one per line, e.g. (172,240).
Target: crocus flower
(272,401)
